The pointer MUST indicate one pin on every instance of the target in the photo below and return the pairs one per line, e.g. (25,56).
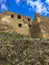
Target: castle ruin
(24,25)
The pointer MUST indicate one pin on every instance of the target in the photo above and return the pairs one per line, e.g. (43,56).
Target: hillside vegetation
(16,49)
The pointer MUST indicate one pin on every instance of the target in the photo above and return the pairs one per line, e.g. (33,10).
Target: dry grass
(16,49)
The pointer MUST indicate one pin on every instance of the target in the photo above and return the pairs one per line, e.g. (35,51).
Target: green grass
(15,36)
(8,64)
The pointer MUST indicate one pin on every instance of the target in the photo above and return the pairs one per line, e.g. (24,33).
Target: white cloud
(38,6)
(3,7)
(17,1)
(47,1)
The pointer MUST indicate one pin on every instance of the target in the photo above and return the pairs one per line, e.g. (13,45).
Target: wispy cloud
(3,6)
(35,5)
(47,1)
(17,1)
(38,6)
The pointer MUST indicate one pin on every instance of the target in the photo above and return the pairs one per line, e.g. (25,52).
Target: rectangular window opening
(19,16)
(19,25)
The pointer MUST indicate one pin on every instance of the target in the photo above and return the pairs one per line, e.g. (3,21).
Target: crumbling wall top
(41,16)
(1,14)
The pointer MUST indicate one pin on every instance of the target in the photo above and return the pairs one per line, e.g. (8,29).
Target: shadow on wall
(35,30)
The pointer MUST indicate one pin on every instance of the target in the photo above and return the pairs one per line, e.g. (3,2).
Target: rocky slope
(16,49)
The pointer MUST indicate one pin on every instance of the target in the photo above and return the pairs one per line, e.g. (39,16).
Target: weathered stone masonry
(25,26)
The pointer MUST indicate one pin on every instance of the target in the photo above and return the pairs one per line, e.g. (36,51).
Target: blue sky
(26,7)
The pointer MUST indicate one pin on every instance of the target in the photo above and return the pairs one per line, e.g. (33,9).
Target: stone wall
(25,26)
(21,24)
(43,23)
